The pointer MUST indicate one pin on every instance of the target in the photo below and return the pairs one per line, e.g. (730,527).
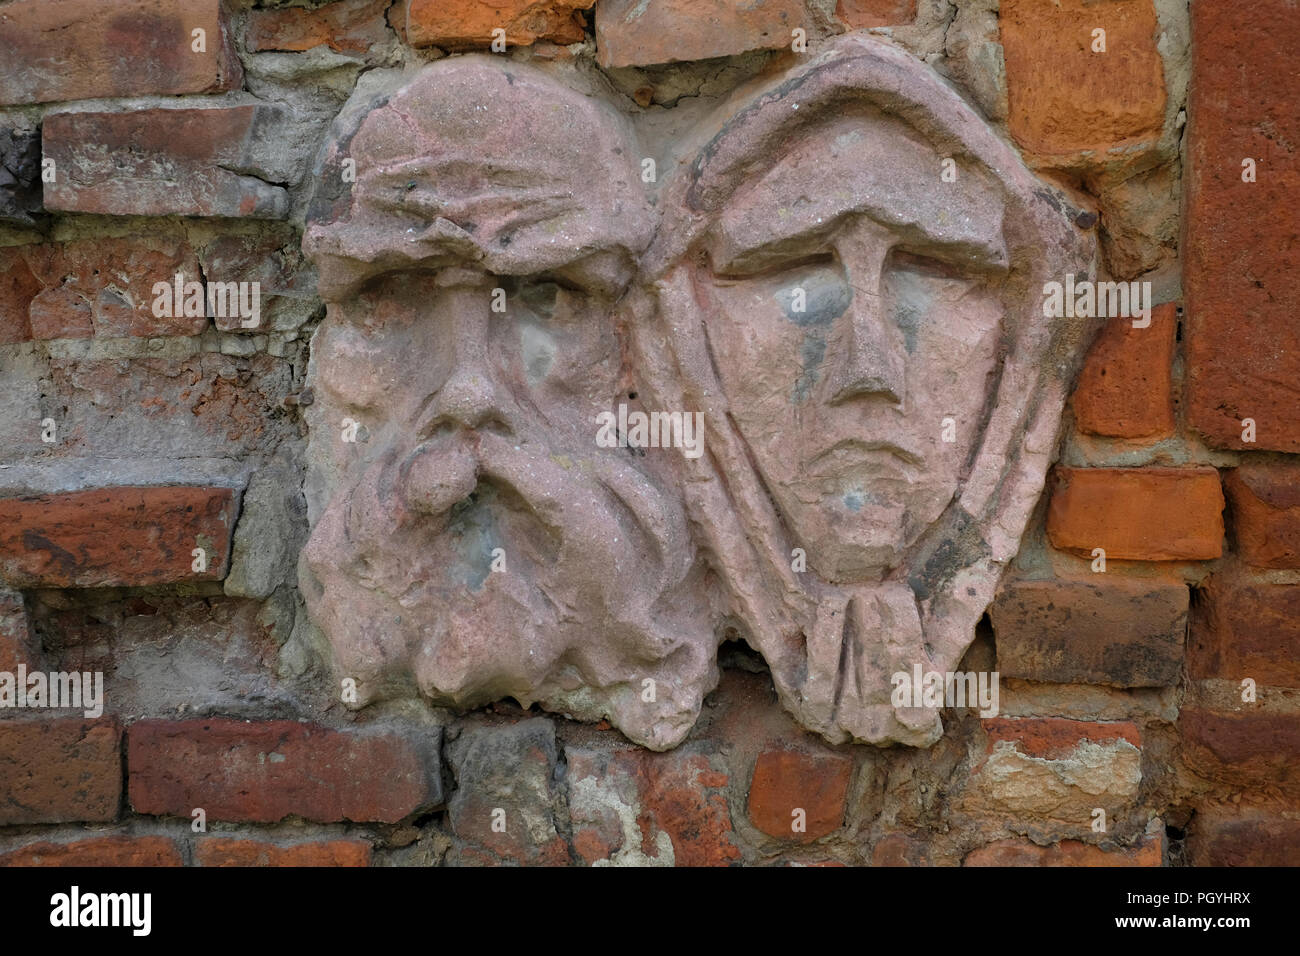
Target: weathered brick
(505,805)
(466,23)
(1241,253)
(1052,737)
(61,770)
(346,26)
(860,14)
(83,49)
(1055,771)
(18,643)
(1120,632)
(122,536)
(1126,387)
(265,771)
(286,284)
(1242,629)
(1139,514)
(221,851)
(20,176)
(1148,852)
(97,851)
(631,33)
(1066,99)
(100,287)
(634,807)
(1264,504)
(18,286)
(1246,748)
(1247,837)
(205,405)
(901,849)
(786,782)
(162,162)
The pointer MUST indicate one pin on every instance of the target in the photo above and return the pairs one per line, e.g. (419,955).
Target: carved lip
(853,453)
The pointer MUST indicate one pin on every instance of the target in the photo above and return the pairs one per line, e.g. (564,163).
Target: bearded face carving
(860,332)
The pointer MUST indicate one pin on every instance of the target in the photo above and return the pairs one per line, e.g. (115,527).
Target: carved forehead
(484,163)
(867,162)
(905,108)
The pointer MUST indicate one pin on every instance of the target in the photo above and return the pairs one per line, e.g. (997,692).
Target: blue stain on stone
(474,535)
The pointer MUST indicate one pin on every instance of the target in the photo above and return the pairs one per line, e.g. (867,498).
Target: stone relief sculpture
(842,279)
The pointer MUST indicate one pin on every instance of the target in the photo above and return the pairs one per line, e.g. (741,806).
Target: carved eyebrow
(980,250)
(894,179)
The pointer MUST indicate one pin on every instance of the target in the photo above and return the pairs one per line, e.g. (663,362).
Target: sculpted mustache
(604,502)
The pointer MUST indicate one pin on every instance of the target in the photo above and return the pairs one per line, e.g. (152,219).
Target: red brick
(18,285)
(860,14)
(83,49)
(1149,852)
(218,851)
(1050,738)
(266,771)
(96,287)
(1246,629)
(124,536)
(1252,837)
(61,770)
(162,162)
(98,851)
(1065,99)
(348,26)
(1139,514)
(785,781)
(1120,632)
(632,33)
(466,23)
(1242,246)
(1264,504)
(1246,748)
(676,794)
(1126,387)
(18,643)
(676,799)
(901,849)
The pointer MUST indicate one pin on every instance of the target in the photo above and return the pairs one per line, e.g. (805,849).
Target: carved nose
(869,361)
(466,399)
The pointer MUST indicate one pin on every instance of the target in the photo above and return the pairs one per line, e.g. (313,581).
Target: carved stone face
(847,278)
(853,306)
(474,542)
(856,329)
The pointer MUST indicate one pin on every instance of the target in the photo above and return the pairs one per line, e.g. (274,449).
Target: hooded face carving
(858,330)
(848,282)
(474,542)
(853,304)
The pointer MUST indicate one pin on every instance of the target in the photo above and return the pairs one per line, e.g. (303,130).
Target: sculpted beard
(479,549)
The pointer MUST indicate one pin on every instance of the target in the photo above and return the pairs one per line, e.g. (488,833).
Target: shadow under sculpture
(862,333)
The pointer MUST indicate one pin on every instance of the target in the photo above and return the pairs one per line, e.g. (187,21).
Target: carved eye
(938,267)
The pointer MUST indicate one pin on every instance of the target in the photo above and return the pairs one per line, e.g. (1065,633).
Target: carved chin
(856,535)
(499,597)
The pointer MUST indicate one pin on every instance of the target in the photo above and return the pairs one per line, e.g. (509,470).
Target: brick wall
(151,507)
